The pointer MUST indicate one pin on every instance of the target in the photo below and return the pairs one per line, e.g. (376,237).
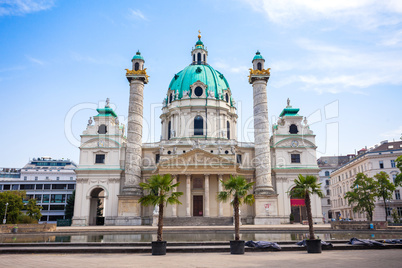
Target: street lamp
(5,215)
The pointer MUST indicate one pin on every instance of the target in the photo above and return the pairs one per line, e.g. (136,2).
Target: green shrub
(25,219)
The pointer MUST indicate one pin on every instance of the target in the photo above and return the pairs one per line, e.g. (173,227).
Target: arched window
(227,97)
(136,66)
(169,129)
(198,125)
(199,58)
(228,130)
(198,91)
(326,173)
(193,57)
(170,98)
(259,66)
(204,58)
(293,129)
(102,129)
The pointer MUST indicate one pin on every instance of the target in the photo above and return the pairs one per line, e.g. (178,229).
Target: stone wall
(28,228)
(358,225)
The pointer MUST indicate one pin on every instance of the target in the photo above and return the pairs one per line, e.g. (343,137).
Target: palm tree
(304,187)
(238,188)
(160,193)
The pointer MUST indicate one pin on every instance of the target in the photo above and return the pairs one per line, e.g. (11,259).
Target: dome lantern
(199,53)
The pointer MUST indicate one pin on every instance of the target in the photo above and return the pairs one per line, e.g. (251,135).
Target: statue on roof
(107,103)
(288,101)
(90,121)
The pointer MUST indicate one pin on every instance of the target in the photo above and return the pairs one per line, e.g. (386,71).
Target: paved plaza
(351,258)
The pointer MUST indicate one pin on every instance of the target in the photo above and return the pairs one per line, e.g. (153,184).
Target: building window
(6,187)
(36,178)
(25,178)
(157,157)
(198,125)
(169,129)
(328,192)
(392,163)
(397,195)
(136,66)
(203,58)
(199,58)
(295,158)
(327,182)
(399,211)
(193,57)
(259,66)
(45,198)
(39,186)
(71,186)
(293,129)
(198,91)
(381,164)
(228,130)
(394,177)
(100,159)
(47,186)
(102,129)
(171,98)
(227,97)
(328,202)
(15,187)
(57,178)
(238,158)
(71,178)
(326,173)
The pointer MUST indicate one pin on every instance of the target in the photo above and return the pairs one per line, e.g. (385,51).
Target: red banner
(297,202)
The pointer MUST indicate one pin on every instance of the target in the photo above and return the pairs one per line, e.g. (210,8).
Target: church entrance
(96,210)
(298,209)
(198,202)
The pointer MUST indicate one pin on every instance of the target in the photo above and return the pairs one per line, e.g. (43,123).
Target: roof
(289,111)
(138,56)
(258,56)
(215,80)
(106,112)
(388,146)
(332,161)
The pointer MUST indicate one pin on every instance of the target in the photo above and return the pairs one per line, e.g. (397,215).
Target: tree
(33,210)
(99,208)
(238,188)
(304,188)
(398,179)
(160,193)
(385,189)
(69,211)
(15,205)
(363,195)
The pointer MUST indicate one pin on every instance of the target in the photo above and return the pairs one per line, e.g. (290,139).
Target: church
(199,148)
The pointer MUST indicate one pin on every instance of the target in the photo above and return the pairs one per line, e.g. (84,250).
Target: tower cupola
(199,53)
(138,61)
(258,61)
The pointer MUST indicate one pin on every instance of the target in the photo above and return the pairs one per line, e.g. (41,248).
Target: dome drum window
(198,126)
(198,90)
(293,129)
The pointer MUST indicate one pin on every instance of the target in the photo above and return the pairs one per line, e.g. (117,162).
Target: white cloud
(364,13)
(137,14)
(35,60)
(328,68)
(393,134)
(223,67)
(22,7)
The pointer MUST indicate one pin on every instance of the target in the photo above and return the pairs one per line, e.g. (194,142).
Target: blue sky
(340,62)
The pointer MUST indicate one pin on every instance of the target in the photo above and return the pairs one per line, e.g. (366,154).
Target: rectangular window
(58,198)
(238,159)
(157,157)
(6,186)
(27,186)
(327,182)
(47,186)
(71,186)
(45,198)
(381,164)
(36,178)
(25,178)
(1,187)
(328,202)
(38,198)
(392,163)
(59,186)
(15,187)
(389,211)
(39,186)
(45,207)
(328,192)
(57,178)
(43,218)
(397,195)
(47,178)
(394,177)
(295,158)
(55,218)
(71,178)
(57,207)
(100,159)
(399,211)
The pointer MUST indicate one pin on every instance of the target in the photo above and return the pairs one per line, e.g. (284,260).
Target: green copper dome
(258,56)
(215,81)
(138,56)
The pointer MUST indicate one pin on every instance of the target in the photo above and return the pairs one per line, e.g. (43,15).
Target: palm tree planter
(160,193)
(304,187)
(236,187)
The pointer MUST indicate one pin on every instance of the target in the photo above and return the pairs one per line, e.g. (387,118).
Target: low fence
(27,228)
(359,225)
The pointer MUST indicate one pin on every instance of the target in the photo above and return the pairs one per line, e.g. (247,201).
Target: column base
(79,221)
(266,210)
(129,211)
(267,220)
(265,191)
(127,221)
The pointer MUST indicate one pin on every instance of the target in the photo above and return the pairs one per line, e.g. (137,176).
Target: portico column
(206,195)
(174,207)
(188,195)
(220,206)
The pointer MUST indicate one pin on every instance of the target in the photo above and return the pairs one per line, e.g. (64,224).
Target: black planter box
(158,247)
(313,246)
(236,246)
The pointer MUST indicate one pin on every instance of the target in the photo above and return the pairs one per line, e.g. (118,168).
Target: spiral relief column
(129,209)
